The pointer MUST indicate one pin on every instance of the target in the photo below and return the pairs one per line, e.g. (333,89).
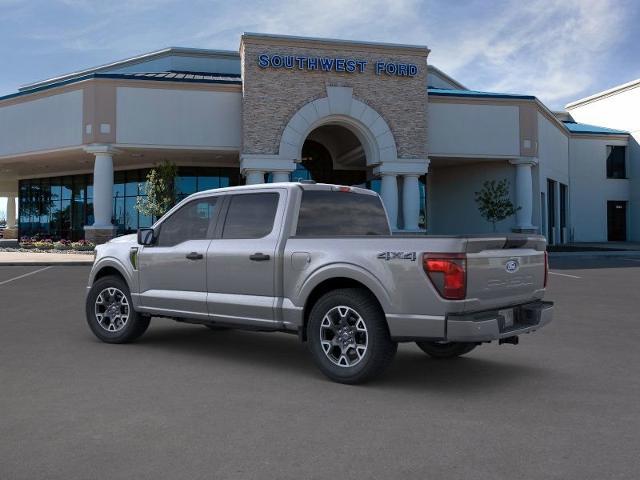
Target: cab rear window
(331,213)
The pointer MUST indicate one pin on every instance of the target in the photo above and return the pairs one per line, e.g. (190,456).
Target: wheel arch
(337,278)
(110,266)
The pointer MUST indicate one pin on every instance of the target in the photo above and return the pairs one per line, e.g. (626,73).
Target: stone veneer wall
(271,96)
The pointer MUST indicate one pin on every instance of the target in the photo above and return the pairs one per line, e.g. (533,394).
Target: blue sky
(557,50)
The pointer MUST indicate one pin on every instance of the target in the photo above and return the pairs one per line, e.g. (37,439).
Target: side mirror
(146,236)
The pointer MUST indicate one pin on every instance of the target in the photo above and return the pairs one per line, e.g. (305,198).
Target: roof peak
(143,57)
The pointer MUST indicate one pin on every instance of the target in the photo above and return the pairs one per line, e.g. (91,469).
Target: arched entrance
(340,139)
(332,153)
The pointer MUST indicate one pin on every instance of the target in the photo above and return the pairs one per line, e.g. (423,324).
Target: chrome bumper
(490,325)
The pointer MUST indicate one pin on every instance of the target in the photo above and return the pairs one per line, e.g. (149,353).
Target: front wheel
(446,349)
(110,313)
(348,336)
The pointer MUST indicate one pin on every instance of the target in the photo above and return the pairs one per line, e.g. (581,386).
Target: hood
(131,238)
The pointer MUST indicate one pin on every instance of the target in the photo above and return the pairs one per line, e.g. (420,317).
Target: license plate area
(508,318)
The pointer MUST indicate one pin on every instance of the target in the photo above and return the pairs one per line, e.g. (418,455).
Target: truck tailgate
(504,270)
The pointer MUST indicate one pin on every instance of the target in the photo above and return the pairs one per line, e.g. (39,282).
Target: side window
(250,215)
(616,161)
(190,222)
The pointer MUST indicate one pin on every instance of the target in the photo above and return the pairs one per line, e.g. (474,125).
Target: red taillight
(448,273)
(546,268)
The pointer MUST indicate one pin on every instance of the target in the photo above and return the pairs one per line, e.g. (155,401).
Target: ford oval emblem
(512,266)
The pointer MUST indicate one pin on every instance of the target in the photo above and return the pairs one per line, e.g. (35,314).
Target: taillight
(546,268)
(448,273)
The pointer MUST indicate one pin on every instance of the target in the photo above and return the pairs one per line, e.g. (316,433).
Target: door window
(192,221)
(251,215)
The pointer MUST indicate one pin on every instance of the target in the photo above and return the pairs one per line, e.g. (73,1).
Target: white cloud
(554,49)
(547,48)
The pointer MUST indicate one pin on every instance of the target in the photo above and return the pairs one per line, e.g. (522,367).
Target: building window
(60,207)
(616,161)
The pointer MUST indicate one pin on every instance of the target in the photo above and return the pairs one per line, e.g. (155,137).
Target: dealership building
(75,149)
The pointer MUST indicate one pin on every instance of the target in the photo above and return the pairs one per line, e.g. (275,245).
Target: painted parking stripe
(564,275)
(25,275)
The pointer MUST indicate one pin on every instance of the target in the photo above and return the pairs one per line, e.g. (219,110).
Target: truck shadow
(278,353)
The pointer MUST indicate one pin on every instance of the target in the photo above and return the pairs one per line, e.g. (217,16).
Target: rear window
(250,215)
(328,213)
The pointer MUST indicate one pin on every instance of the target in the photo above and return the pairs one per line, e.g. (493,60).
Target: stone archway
(340,108)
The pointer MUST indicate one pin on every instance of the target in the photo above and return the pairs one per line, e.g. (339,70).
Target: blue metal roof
(187,77)
(444,92)
(575,127)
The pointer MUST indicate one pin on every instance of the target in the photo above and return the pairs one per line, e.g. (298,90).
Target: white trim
(265,163)
(411,166)
(43,152)
(153,146)
(604,93)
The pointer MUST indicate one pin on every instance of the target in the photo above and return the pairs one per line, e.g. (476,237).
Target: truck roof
(304,185)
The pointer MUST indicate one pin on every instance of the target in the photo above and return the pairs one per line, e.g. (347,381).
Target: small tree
(494,203)
(160,190)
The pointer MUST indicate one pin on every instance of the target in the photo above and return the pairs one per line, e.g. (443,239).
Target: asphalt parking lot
(186,402)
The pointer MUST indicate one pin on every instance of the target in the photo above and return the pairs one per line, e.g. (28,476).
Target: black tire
(215,328)
(134,326)
(446,350)
(379,349)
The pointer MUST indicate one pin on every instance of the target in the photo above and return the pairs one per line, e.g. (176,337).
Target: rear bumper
(490,325)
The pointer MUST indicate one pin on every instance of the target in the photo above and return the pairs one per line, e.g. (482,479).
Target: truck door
(242,260)
(173,273)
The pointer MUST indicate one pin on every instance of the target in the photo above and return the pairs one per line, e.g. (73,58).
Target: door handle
(259,257)
(194,256)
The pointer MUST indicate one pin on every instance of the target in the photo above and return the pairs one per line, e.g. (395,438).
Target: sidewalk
(43,259)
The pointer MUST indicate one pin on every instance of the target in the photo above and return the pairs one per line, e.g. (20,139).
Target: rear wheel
(110,313)
(348,336)
(446,349)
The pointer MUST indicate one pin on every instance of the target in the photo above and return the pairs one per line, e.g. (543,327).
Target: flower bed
(36,244)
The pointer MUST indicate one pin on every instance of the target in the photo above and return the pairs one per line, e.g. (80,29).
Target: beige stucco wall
(178,117)
(272,96)
(50,122)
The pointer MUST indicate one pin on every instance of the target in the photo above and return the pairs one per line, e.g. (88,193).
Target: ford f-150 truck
(319,261)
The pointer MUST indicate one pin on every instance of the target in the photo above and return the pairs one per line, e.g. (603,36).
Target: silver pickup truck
(318,261)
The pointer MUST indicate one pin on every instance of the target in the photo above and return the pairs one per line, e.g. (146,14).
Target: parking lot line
(25,275)
(564,275)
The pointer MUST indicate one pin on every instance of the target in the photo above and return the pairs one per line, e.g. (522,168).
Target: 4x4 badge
(397,256)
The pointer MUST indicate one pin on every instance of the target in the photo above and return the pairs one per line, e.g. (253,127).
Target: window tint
(251,215)
(616,167)
(190,222)
(329,213)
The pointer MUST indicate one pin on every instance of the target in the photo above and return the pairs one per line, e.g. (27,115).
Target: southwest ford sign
(331,64)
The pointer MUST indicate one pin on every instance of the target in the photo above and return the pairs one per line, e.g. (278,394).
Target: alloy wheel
(343,336)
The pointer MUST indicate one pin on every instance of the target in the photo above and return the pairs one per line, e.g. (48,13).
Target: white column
(524,192)
(102,228)
(410,201)
(103,190)
(11,211)
(280,176)
(389,194)
(253,177)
